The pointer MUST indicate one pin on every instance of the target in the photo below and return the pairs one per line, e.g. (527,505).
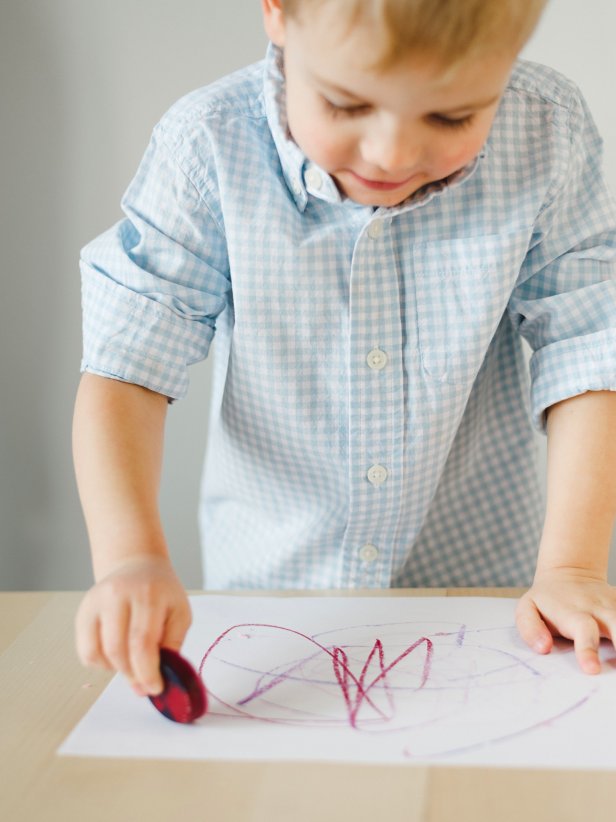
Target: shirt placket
(376,411)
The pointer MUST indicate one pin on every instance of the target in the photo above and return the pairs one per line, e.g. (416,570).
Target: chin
(382,199)
(382,202)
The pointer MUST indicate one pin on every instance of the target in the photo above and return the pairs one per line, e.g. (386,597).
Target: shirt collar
(302,176)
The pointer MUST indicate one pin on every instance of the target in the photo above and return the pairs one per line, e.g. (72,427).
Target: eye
(446,122)
(344,111)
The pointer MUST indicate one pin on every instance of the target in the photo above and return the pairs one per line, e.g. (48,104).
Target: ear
(274,21)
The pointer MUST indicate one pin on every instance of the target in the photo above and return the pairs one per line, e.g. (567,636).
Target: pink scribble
(343,673)
(346,679)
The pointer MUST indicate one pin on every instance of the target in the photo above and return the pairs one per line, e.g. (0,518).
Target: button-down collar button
(368,552)
(377,474)
(376,359)
(375,228)
(313,178)
(295,185)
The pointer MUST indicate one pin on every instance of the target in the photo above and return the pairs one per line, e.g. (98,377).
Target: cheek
(320,142)
(456,153)
(329,150)
(459,149)
(318,139)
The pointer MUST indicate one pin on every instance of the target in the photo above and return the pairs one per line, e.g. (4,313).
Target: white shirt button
(376,359)
(375,228)
(368,552)
(297,189)
(313,178)
(377,474)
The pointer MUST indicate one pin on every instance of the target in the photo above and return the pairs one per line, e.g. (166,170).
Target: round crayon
(184,697)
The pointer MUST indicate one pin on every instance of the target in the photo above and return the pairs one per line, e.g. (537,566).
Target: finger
(114,630)
(87,640)
(610,630)
(145,634)
(532,628)
(585,633)
(176,626)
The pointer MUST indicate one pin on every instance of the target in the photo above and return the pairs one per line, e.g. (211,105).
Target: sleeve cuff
(570,367)
(128,336)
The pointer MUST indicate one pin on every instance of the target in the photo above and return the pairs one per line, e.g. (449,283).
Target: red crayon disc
(184,697)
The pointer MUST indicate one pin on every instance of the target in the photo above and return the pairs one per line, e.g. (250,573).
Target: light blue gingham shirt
(371,409)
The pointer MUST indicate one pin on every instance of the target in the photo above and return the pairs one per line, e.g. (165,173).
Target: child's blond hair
(448,31)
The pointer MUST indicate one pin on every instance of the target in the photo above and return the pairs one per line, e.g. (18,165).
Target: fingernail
(137,689)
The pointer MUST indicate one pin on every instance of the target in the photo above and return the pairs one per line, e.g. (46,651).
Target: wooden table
(44,692)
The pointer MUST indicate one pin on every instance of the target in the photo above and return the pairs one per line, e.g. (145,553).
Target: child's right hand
(128,616)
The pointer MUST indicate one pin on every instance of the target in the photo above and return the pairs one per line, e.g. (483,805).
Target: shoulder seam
(176,160)
(568,87)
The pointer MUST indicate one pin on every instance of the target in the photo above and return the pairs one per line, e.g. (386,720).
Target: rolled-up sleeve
(564,303)
(154,284)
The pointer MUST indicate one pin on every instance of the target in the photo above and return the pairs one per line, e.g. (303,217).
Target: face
(380,135)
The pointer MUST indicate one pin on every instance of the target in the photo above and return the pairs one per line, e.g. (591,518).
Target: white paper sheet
(362,679)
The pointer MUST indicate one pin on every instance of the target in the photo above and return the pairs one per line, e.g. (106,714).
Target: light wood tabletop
(44,692)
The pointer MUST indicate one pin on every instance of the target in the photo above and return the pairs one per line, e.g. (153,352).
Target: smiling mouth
(382,185)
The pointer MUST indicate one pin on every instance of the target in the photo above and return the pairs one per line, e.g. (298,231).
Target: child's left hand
(571,603)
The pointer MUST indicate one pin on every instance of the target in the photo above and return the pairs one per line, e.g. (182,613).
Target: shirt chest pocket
(461,291)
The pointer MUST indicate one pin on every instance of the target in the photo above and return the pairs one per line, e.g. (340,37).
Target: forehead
(336,54)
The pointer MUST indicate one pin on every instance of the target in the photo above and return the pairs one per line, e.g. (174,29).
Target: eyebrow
(467,107)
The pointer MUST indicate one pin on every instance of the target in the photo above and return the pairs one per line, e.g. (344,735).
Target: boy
(367,219)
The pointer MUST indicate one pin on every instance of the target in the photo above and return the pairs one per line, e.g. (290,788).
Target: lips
(383,185)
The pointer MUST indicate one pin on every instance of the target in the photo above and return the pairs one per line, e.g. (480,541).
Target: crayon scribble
(355,690)
(411,680)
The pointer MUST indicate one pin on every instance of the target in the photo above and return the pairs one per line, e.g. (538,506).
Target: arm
(137,603)
(117,444)
(581,479)
(570,595)
(153,286)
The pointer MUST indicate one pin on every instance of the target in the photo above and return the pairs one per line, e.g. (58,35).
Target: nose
(391,148)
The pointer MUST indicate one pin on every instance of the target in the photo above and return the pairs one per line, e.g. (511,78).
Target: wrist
(567,573)
(111,555)
(586,549)
(584,558)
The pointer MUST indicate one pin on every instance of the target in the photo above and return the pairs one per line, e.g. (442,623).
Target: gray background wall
(82,83)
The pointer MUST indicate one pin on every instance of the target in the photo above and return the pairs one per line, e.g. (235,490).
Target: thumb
(531,626)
